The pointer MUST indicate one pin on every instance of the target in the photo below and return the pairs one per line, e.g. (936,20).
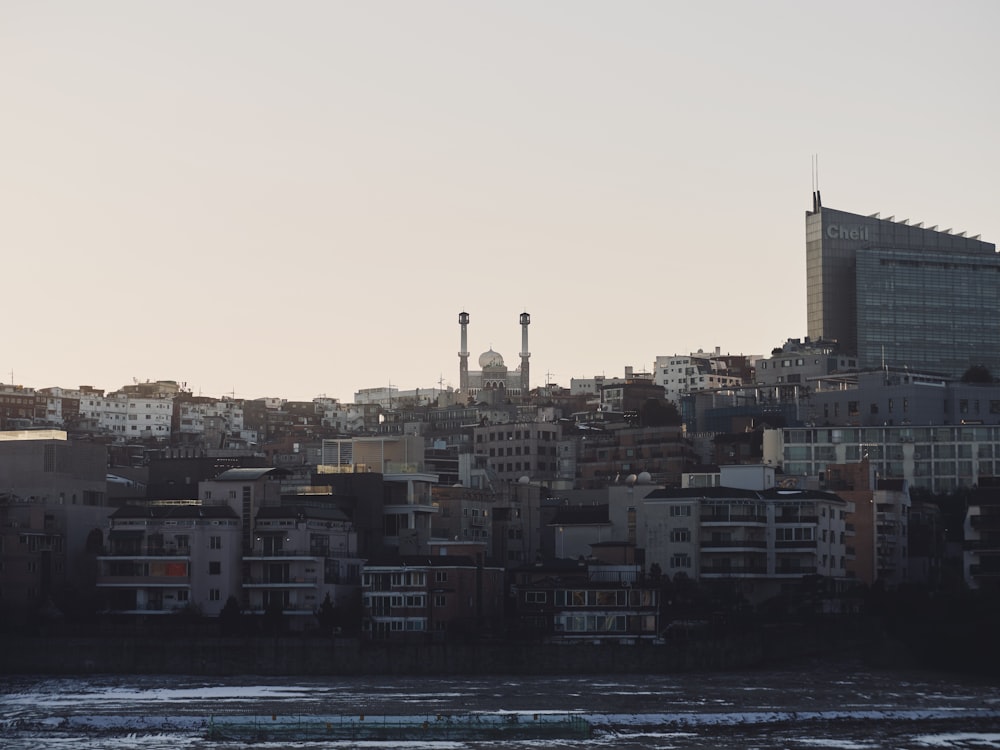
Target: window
(680,510)
(214,595)
(215,542)
(440,576)
(440,600)
(535,597)
(680,561)
(680,535)
(214,568)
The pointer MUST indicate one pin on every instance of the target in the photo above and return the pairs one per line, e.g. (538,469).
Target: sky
(297,199)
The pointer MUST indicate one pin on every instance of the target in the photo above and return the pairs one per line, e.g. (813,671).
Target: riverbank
(224,656)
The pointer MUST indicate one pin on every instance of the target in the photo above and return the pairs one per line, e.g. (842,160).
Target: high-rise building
(901,294)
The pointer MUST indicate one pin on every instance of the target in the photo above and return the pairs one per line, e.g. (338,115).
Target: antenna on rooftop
(817,201)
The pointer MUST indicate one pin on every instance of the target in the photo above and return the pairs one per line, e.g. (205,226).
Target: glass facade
(928,298)
(928,310)
(940,459)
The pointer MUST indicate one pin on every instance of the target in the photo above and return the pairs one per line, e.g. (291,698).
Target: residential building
(759,540)
(797,363)
(245,491)
(301,554)
(679,374)
(17,407)
(982,537)
(163,558)
(432,596)
(586,601)
(517,450)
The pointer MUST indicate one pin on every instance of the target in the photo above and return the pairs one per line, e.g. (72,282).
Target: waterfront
(814,705)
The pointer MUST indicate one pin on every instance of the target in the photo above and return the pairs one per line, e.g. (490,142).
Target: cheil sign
(841,232)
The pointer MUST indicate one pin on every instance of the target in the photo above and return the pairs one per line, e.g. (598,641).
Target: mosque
(493,382)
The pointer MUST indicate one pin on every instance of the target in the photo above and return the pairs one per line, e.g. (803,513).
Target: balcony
(291,582)
(286,555)
(734,571)
(140,581)
(989,522)
(733,520)
(990,568)
(798,544)
(796,570)
(982,545)
(732,544)
(168,553)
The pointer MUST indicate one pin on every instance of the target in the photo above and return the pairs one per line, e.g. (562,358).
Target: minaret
(463,355)
(525,381)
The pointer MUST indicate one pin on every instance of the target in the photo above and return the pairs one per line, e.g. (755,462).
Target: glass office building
(928,310)
(900,294)
(939,459)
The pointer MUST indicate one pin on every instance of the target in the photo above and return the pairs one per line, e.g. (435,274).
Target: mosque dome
(490,359)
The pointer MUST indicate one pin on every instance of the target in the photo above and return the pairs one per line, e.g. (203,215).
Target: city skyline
(291,202)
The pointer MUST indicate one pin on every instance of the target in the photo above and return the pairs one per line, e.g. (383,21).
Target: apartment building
(981,529)
(163,558)
(585,601)
(679,374)
(761,539)
(301,554)
(516,450)
(432,596)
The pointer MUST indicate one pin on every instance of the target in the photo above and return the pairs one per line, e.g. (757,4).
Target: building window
(215,542)
(680,561)
(680,535)
(535,597)
(440,600)
(440,576)
(214,568)
(214,595)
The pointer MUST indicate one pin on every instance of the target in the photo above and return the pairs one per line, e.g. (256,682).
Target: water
(815,706)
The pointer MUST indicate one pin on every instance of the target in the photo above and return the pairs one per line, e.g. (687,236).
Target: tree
(230,617)
(977,374)
(656,412)
(327,615)
(273,619)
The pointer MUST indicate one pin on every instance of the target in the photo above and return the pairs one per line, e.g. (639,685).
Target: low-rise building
(431,597)
(164,558)
(982,536)
(759,540)
(301,554)
(585,600)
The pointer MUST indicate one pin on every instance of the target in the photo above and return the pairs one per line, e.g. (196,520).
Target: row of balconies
(986,522)
(146,552)
(734,544)
(292,581)
(733,520)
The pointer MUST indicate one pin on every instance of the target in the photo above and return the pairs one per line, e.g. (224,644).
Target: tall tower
(463,355)
(525,380)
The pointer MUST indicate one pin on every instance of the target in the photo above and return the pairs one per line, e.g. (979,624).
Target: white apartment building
(763,539)
(684,373)
(300,555)
(160,559)
(346,418)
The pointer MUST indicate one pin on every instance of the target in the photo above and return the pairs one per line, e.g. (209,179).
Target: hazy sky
(298,198)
